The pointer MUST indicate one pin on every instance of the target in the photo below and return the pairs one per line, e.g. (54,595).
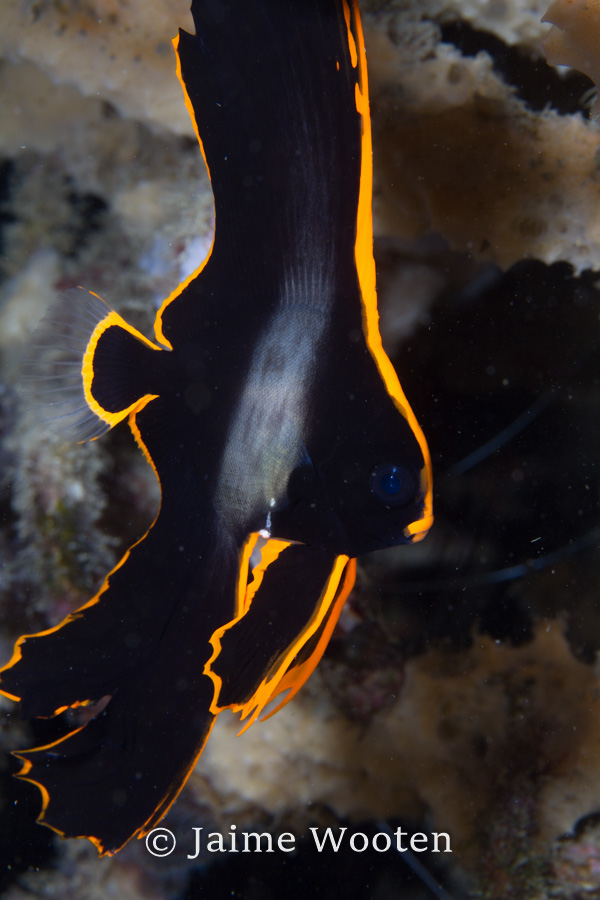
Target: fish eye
(395,485)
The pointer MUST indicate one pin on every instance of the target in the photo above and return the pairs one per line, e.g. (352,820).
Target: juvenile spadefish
(269,411)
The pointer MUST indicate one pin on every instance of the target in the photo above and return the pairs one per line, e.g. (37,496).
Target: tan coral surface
(465,725)
(115,50)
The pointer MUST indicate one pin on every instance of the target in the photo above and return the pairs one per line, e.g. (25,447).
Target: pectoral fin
(89,368)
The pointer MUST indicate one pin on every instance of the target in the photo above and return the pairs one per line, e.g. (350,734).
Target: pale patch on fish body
(275,401)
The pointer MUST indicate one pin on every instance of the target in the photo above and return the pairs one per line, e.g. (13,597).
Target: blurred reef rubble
(460,692)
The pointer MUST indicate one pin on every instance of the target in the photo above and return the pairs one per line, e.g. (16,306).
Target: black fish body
(267,408)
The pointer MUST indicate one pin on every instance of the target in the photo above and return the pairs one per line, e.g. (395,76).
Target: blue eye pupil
(390,484)
(395,485)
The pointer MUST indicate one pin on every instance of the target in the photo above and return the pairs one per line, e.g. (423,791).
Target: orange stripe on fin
(269,553)
(57,378)
(158,323)
(286,672)
(110,418)
(297,675)
(365,265)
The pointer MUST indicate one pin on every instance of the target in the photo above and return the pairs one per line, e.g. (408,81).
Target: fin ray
(56,379)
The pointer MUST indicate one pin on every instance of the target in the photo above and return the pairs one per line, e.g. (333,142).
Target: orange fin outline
(365,265)
(286,673)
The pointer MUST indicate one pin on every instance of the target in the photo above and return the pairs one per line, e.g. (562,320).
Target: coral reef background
(460,692)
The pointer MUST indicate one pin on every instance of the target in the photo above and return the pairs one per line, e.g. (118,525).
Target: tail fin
(88,368)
